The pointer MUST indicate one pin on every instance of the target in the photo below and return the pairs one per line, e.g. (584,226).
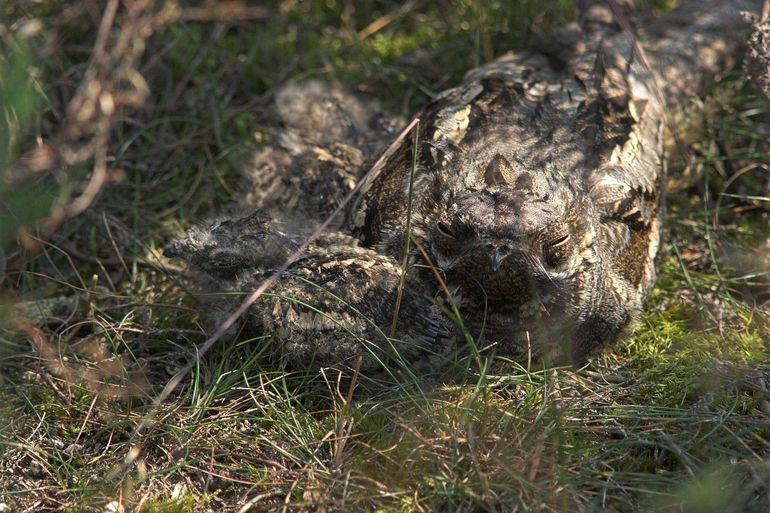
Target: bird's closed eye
(559,241)
(444,229)
(555,250)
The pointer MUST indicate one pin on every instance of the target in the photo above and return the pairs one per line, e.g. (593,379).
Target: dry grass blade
(384,21)
(224,11)
(407,230)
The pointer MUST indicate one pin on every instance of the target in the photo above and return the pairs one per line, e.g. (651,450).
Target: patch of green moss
(187,503)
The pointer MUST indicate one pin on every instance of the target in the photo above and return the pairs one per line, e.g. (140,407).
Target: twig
(749,167)
(110,82)
(344,422)
(114,244)
(383,21)
(224,11)
(40,344)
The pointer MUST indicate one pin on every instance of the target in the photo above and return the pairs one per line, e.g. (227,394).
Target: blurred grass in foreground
(19,102)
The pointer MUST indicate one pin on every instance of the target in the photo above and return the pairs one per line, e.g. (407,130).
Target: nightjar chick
(334,305)
(309,162)
(225,247)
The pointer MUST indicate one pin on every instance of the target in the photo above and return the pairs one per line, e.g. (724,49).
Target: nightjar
(224,247)
(537,193)
(334,304)
(311,160)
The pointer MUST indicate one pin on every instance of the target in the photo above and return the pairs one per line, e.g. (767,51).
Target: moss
(184,504)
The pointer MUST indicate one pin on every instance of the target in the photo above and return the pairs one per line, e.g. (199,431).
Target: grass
(672,419)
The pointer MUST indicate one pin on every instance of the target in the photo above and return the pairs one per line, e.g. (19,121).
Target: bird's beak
(173,250)
(496,259)
(182,249)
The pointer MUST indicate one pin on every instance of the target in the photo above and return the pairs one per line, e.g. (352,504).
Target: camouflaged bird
(334,304)
(326,134)
(539,182)
(226,247)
